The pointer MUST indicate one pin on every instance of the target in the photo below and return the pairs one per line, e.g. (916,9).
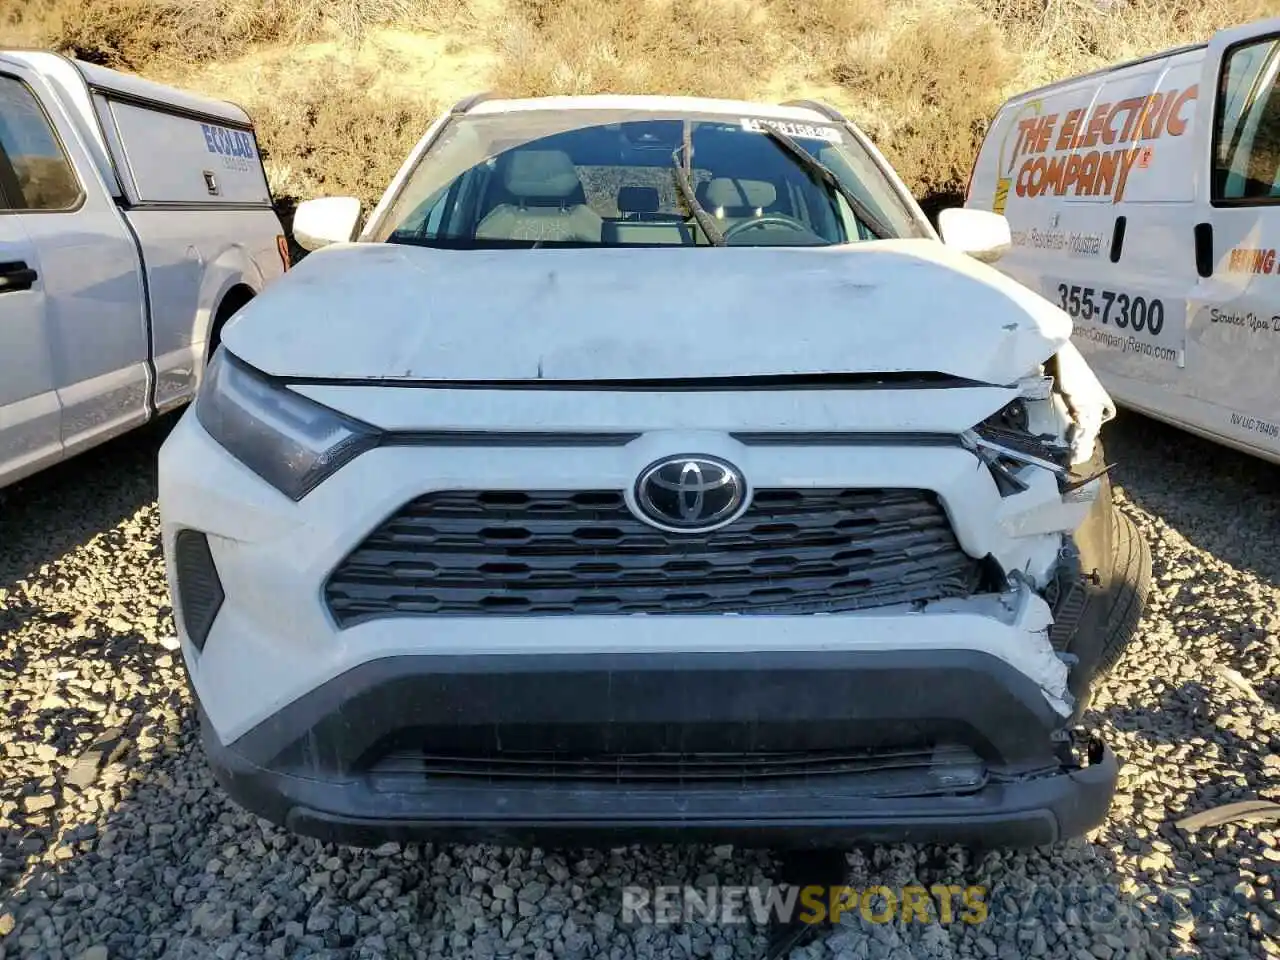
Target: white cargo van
(1145,201)
(134,220)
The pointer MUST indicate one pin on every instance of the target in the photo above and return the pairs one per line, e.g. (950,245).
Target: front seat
(548,202)
(638,203)
(734,200)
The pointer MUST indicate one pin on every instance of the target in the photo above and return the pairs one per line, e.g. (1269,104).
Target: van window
(34,171)
(1247,127)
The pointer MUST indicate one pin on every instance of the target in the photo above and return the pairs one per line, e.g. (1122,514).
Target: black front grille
(946,768)
(584,552)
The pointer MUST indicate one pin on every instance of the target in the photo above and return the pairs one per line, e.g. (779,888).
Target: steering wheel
(767,220)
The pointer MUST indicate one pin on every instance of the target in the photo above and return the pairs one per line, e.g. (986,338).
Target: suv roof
(482,105)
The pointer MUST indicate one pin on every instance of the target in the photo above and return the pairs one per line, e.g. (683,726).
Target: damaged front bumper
(945,720)
(809,749)
(966,741)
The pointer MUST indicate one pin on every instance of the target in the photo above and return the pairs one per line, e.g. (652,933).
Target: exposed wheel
(236,298)
(1116,560)
(1130,584)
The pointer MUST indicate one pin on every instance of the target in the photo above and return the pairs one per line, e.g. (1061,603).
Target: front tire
(1116,561)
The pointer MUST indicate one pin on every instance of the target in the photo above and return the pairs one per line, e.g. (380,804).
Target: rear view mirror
(318,223)
(981,234)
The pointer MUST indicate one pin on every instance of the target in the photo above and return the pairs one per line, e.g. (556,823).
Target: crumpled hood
(382,311)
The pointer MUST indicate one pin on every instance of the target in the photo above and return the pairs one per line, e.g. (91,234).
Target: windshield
(629,178)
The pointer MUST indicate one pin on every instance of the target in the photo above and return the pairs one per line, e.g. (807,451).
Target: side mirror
(981,234)
(318,223)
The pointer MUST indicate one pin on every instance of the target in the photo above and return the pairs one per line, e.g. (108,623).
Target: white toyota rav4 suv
(648,468)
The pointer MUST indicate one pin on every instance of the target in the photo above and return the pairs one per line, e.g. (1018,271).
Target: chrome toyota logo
(690,492)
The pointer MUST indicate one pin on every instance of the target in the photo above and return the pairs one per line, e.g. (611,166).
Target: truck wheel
(1117,559)
(236,298)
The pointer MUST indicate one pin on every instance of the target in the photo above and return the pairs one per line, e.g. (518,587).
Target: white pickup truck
(135,219)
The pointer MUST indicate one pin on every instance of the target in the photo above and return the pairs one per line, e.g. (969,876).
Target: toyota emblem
(690,493)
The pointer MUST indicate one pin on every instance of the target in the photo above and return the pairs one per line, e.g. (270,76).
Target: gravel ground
(115,842)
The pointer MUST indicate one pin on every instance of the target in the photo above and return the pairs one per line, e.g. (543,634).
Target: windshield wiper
(705,220)
(822,172)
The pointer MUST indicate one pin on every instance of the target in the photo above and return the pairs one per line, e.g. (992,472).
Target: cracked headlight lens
(1009,431)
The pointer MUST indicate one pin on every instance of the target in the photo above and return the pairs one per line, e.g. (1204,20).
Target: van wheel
(1117,556)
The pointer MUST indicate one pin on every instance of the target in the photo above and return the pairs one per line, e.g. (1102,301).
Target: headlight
(289,441)
(1025,432)
(1009,430)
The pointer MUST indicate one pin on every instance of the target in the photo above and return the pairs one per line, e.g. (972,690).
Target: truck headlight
(289,441)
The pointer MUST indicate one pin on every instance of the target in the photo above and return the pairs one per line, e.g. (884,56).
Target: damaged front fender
(1028,647)
(1087,400)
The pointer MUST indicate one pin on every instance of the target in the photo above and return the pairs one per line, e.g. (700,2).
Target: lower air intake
(885,772)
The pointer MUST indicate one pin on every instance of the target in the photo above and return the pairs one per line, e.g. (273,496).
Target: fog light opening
(199,590)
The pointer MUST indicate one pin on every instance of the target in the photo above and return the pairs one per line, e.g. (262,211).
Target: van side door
(89,269)
(1235,327)
(1093,180)
(30,415)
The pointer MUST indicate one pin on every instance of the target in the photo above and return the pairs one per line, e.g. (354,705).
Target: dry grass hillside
(341,88)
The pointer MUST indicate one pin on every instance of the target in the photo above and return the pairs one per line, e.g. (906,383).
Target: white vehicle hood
(388,312)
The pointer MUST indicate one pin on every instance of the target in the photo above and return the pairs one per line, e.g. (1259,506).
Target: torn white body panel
(1088,401)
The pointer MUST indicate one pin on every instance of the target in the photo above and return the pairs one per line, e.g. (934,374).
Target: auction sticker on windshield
(808,131)
(1129,321)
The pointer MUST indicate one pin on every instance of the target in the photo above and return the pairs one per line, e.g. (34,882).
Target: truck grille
(584,552)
